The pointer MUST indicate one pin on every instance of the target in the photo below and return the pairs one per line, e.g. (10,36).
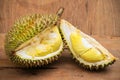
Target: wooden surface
(94,17)
(99,18)
(63,69)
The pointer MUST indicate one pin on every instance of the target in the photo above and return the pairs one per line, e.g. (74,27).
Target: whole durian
(34,40)
(87,51)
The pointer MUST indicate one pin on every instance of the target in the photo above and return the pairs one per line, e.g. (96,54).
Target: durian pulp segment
(83,47)
(47,42)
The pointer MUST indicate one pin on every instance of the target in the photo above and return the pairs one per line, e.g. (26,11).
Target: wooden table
(63,69)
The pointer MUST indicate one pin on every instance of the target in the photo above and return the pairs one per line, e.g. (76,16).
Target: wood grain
(63,69)
(94,17)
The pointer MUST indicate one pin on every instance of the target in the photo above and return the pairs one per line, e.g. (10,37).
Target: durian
(39,39)
(87,51)
(34,40)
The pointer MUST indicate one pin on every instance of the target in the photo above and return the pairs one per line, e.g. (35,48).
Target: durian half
(34,40)
(86,50)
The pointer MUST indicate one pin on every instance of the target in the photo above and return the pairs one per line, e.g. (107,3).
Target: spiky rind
(26,28)
(28,63)
(93,67)
(83,65)
(23,30)
(65,45)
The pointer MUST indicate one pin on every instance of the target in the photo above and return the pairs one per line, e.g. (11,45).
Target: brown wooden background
(95,17)
(98,18)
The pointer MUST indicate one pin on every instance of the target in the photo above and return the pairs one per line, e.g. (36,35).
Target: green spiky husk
(28,63)
(93,67)
(26,28)
(65,45)
(23,30)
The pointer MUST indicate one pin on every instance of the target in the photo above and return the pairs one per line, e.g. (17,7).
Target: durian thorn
(60,11)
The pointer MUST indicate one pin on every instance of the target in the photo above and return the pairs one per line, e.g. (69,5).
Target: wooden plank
(94,17)
(63,69)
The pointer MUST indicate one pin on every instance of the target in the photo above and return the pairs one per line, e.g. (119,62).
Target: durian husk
(28,63)
(25,29)
(93,42)
(65,45)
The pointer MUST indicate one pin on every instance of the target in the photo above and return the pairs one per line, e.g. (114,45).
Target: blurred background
(94,17)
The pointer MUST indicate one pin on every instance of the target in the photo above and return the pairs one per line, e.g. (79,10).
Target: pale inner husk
(44,45)
(66,29)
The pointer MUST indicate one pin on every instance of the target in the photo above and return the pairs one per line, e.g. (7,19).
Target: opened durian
(34,40)
(86,50)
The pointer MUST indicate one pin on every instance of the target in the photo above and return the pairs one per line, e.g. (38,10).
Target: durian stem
(60,11)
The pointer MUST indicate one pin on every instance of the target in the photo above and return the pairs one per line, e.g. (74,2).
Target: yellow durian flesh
(53,40)
(89,54)
(93,55)
(77,45)
(43,44)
